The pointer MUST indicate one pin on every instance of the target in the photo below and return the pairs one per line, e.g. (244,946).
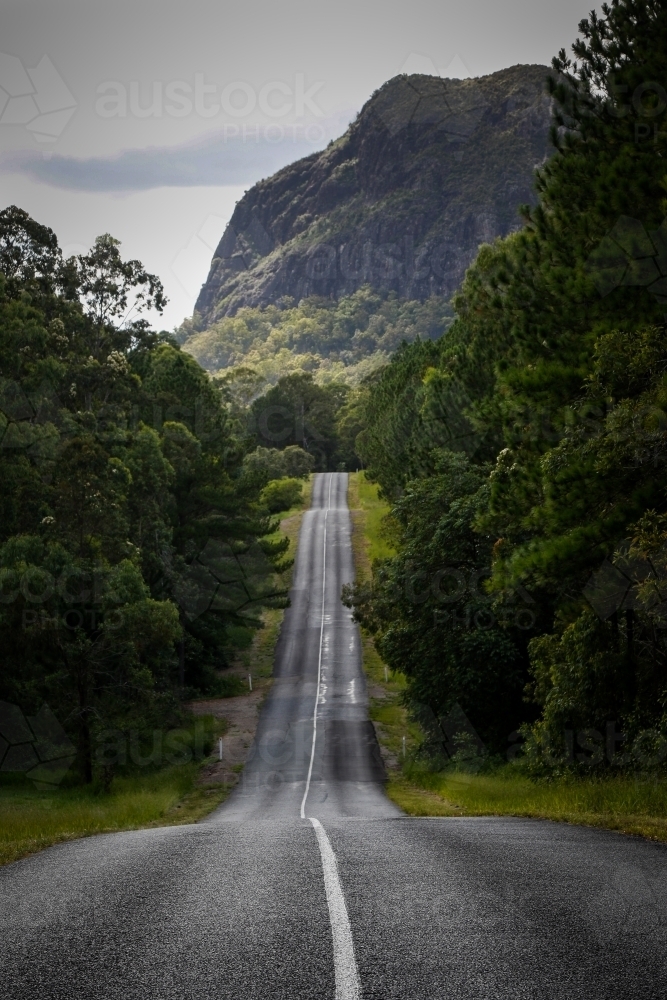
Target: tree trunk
(630,651)
(86,749)
(85,741)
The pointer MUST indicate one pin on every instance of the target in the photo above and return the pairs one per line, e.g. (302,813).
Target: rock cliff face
(430,169)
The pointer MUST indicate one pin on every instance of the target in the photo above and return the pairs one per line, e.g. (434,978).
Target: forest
(137,550)
(518,435)
(523,453)
(337,340)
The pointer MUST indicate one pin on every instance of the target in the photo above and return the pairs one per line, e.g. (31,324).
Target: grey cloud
(220,159)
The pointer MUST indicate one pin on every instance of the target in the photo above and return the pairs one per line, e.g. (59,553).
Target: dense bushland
(342,340)
(133,549)
(524,452)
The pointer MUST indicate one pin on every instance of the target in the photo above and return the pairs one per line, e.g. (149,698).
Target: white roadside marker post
(220,748)
(404,746)
(386,676)
(250,682)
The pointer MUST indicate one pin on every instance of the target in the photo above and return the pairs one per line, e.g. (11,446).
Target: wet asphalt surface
(235,906)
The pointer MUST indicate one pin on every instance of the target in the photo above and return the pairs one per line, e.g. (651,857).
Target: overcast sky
(150,119)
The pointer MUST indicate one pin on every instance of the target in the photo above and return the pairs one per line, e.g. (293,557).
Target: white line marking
(348,986)
(319,659)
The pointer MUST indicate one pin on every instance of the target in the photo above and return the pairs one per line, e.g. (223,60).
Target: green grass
(635,805)
(364,496)
(31,820)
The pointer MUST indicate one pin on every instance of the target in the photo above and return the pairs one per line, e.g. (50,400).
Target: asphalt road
(352,900)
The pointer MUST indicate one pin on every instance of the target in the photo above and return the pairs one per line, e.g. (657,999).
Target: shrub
(282,494)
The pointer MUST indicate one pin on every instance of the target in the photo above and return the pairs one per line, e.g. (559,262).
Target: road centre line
(319,658)
(348,985)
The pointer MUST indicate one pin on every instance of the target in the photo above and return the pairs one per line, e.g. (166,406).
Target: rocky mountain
(430,169)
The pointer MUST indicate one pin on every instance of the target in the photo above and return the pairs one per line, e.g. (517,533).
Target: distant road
(309,883)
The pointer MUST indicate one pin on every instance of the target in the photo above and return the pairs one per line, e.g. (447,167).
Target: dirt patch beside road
(239,723)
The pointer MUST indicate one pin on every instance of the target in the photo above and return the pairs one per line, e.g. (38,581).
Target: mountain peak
(430,168)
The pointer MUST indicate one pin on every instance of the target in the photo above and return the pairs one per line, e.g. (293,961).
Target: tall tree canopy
(133,554)
(553,374)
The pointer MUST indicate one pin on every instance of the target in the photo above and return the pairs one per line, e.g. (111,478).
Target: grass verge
(31,820)
(630,804)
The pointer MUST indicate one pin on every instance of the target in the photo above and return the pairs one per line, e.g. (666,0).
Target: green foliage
(265,464)
(342,340)
(282,494)
(32,819)
(28,250)
(131,550)
(302,369)
(298,411)
(551,383)
(350,423)
(580,676)
(617,802)
(392,443)
(228,686)
(105,282)
(430,616)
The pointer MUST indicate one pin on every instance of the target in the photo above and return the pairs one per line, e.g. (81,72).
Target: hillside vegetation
(344,341)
